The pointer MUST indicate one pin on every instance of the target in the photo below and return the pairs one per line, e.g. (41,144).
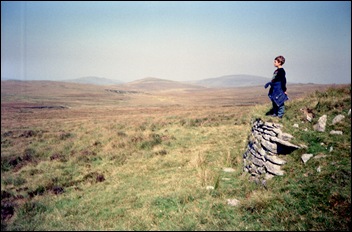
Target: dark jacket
(276,94)
(279,75)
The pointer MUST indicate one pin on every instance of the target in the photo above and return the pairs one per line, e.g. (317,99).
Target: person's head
(279,61)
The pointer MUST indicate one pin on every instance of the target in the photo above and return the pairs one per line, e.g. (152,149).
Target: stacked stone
(266,142)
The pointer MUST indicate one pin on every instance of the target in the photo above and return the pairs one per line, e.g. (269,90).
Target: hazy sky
(177,41)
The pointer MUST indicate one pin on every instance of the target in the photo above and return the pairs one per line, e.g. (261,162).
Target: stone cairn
(265,143)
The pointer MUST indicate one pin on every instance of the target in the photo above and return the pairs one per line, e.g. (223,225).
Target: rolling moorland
(141,156)
(227,81)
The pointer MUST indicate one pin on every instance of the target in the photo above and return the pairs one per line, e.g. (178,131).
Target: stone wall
(265,143)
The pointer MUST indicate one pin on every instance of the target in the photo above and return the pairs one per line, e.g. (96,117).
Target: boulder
(320,126)
(338,119)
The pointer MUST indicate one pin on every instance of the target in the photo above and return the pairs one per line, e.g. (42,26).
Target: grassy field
(80,157)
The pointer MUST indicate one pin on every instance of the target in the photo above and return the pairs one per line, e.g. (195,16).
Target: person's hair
(281,59)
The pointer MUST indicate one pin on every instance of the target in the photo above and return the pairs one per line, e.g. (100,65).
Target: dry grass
(126,161)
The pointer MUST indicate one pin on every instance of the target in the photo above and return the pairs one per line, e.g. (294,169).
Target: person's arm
(282,78)
(267,84)
(283,84)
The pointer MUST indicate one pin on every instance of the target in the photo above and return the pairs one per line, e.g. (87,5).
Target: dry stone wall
(265,143)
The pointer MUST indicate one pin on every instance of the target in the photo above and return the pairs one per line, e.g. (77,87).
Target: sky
(180,41)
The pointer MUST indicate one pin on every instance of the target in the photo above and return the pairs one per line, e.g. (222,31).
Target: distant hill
(229,81)
(151,83)
(94,80)
(232,81)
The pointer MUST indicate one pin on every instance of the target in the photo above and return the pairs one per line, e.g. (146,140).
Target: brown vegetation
(45,112)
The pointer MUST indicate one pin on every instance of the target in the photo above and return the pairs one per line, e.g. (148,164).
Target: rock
(338,119)
(285,136)
(331,149)
(257,162)
(274,169)
(320,126)
(333,132)
(275,160)
(283,147)
(306,157)
(256,154)
(228,169)
(303,146)
(319,169)
(261,151)
(271,133)
(309,118)
(271,124)
(269,146)
(233,202)
(320,156)
(277,131)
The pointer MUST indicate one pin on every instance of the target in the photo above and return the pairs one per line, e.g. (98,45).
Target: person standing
(277,92)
